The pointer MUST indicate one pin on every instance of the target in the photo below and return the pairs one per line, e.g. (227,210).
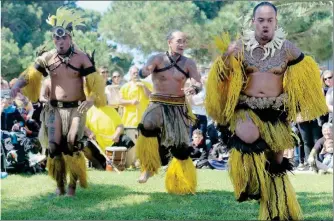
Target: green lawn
(117,196)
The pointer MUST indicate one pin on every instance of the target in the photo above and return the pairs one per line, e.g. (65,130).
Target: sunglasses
(328,78)
(116,76)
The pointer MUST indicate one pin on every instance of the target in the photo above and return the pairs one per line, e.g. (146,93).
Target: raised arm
(225,80)
(30,80)
(150,66)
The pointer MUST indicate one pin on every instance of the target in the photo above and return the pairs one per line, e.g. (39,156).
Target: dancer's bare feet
(71,191)
(144,176)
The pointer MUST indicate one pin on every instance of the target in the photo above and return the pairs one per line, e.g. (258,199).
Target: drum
(131,132)
(117,157)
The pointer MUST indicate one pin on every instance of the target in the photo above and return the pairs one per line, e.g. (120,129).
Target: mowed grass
(112,196)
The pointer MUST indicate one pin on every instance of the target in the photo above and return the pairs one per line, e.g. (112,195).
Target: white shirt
(113,96)
(197,103)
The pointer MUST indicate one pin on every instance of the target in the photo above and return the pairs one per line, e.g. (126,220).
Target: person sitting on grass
(199,153)
(323,162)
(218,156)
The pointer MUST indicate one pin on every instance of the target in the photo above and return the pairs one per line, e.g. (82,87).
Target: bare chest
(276,64)
(59,69)
(173,73)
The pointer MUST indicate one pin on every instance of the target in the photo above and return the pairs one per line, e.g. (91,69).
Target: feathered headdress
(65,20)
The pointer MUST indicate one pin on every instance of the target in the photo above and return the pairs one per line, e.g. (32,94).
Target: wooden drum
(117,158)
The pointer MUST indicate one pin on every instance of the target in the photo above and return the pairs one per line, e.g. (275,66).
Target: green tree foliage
(10,62)
(147,27)
(25,32)
(210,8)
(26,19)
(144,25)
(92,19)
(309,26)
(105,54)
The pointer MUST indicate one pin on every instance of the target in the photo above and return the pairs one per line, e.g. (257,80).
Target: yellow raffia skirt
(164,126)
(254,175)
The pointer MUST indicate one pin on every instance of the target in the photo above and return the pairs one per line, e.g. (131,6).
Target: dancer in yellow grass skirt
(259,84)
(164,127)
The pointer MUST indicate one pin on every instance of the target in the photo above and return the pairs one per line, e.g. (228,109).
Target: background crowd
(127,101)
(24,32)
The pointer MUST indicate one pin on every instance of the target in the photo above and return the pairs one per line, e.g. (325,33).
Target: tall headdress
(64,21)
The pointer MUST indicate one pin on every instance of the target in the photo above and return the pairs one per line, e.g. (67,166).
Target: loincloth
(66,115)
(270,116)
(169,118)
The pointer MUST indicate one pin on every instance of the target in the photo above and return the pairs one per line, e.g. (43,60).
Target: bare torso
(171,81)
(264,84)
(66,83)
(265,77)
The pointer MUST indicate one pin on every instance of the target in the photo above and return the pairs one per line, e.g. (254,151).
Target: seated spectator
(327,153)
(218,156)
(199,153)
(11,119)
(321,156)
(104,125)
(32,128)
(212,132)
